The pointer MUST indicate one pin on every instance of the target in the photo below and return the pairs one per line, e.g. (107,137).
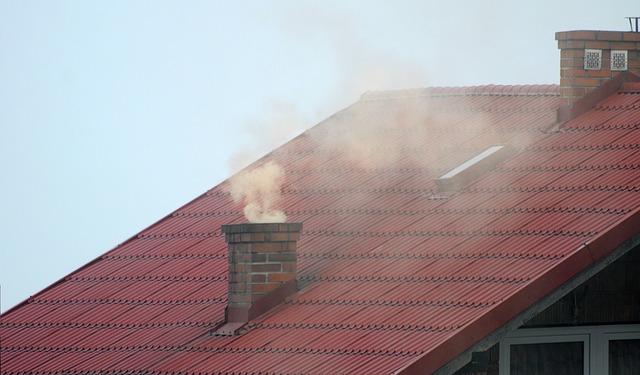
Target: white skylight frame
(474,160)
(472,169)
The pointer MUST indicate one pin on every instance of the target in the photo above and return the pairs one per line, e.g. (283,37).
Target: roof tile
(390,269)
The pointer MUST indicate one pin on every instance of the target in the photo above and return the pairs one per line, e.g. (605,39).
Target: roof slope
(392,272)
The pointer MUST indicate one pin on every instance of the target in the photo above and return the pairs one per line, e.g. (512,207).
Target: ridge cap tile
(480,90)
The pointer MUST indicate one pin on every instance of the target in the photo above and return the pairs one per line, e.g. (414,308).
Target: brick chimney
(589,59)
(262,269)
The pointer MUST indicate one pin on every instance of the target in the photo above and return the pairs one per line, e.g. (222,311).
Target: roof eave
(538,294)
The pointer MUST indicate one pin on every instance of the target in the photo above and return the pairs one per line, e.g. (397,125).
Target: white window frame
(609,334)
(595,340)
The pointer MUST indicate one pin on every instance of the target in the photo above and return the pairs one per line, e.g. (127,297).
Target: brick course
(609,35)
(571,53)
(599,73)
(633,37)
(624,46)
(597,44)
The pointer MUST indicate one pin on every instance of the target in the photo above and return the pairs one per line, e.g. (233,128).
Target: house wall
(612,296)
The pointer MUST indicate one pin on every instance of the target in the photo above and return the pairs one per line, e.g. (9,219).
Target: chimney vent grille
(592,59)
(618,60)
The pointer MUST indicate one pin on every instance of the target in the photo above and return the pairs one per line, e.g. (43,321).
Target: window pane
(548,358)
(624,357)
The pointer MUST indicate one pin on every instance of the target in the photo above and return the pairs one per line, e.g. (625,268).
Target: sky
(115,113)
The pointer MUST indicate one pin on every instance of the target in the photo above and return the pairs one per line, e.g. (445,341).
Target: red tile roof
(393,274)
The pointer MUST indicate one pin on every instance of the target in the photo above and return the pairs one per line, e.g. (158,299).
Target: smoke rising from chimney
(360,69)
(282,121)
(259,190)
(360,66)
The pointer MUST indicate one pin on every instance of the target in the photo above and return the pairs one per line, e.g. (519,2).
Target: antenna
(633,20)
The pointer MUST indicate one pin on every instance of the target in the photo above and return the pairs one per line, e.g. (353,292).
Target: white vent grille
(618,60)
(592,59)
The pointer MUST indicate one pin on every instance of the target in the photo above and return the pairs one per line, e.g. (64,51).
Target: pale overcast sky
(115,113)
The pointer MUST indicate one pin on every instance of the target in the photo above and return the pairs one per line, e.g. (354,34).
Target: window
(545,351)
(548,358)
(624,353)
(572,350)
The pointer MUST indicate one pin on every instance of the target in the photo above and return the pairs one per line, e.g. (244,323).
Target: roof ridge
(482,90)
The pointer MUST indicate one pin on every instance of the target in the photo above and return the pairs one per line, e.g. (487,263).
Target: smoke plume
(360,65)
(259,190)
(281,122)
(360,68)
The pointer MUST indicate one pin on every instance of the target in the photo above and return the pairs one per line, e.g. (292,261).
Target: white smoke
(361,68)
(281,122)
(259,190)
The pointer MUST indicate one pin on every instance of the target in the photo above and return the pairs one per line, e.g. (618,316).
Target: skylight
(471,169)
(474,160)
